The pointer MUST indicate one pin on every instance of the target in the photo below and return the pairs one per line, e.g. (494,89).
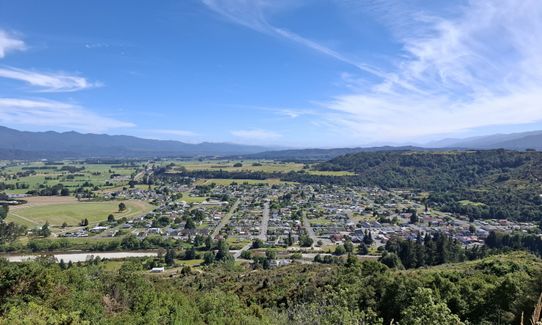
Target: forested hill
(493,183)
(316,154)
(441,170)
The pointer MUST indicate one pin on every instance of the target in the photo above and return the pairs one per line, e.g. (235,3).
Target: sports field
(57,210)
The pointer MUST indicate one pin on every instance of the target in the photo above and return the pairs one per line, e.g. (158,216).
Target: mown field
(57,210)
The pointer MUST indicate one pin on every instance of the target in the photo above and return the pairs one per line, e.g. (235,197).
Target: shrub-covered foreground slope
(495,290)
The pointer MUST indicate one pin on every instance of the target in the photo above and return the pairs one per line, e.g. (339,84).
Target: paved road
(265,222)
(309,230)
(225,220)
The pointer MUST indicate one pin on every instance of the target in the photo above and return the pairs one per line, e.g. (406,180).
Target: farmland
(23,177)
(249,166)
(57,210)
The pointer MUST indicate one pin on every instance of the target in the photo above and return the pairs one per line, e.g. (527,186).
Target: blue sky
(296,73)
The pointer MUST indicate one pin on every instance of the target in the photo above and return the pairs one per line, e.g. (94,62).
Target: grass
(191,262)
(330,173)
(471,203)
(224,181)
(320,221)
(192,199)
(256,166)
(73,212)
(112,266)
(97,174)
(248,165)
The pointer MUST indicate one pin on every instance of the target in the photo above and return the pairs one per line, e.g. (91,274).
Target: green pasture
(73,213)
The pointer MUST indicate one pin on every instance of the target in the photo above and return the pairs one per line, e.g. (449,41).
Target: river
(81,257)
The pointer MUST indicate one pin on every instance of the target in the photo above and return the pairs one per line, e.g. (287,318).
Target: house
(99,229)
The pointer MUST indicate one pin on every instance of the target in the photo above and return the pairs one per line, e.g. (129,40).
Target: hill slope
(506,184)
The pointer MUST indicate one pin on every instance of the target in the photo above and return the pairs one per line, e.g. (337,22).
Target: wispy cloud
(175,132)
(252,14)
(480,68)
(9,43)
(48,82)
(256,135)
(54,114)
(475,67)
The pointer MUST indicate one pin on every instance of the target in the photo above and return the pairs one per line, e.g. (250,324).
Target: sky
(292,73)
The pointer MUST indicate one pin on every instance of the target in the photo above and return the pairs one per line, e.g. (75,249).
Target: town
(297,221)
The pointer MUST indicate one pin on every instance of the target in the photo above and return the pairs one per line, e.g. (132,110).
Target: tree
(110,218)
(363,250)
(238,165)
(64,224)
(45,231)
(190,254)
(190,224)
(414,217)
(257,243)
(223,252)
(84,222)
(270,254)
(424,310)
(340,250)
(122,206)
(391,260)
(348,246)
(289,239)
(305,241)
(10,231)
(246,255)
(4,209)
(169,257)
(208,258)
(368,238)
(208,243)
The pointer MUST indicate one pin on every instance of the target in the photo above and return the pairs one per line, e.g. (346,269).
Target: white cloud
(54,114)
(48,82)
(475,66)
(9,43)
(175,132)
(256,134)
(481,68)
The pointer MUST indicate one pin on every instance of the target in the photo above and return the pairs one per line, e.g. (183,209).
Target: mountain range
(511,141)
(15,144)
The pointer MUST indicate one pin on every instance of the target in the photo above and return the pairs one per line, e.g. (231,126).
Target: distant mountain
(321,154)
(16,144)
(512,141)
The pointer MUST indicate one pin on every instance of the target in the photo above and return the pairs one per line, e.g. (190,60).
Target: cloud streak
(54,114)
(256,135)
(48,82)
(175,132)
(252,14)
(9,43)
